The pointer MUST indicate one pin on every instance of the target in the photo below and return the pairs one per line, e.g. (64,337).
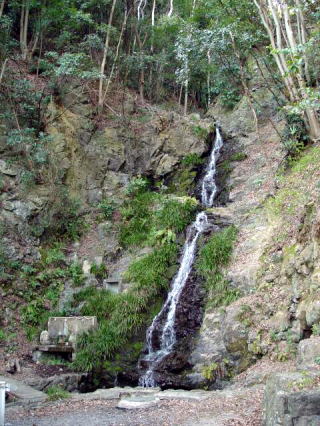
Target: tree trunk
(185,107)
(116,55)
(2,7)
(104,57)
(3,68)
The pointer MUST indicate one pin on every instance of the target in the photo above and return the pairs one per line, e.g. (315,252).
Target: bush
(295,136)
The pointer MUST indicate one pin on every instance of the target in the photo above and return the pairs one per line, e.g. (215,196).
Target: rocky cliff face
(275,262)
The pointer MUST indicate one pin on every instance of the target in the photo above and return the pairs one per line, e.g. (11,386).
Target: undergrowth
(56,393)
(212,257)
(43,284)
(146,213)
(121,316)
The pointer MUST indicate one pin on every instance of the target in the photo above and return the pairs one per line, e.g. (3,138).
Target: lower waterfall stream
(166,317)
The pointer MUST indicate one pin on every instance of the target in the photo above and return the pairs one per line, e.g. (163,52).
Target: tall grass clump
(212,257)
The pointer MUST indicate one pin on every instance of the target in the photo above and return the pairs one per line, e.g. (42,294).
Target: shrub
(176,214)
(137,185)
(100,271)
(238,156)
(108,208)
(295,136)
(192,160)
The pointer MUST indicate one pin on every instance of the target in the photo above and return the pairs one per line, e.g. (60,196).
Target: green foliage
(76,274)
(316,329)
(56,393)
(212,257)
(136,186)
(107,207)
(120,316)
(176,214)
(238,156)
(200,132)
(99,271)
(137,214)
(147,214)
(192,160)
(53,255)
(295,136)
(49,359)
(62,217)
(3,336)
(209,371)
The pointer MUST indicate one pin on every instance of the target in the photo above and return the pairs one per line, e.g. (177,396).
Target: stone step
(135,402)
(196,395)
(23,392)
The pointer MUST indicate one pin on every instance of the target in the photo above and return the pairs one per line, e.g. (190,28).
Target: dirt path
(236,407)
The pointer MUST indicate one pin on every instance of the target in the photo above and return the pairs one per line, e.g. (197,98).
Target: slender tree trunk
(180,94)
(170,8)
(279,27)
(246,90)
(116,56)
(141,84)
(3,68)
(185,107)
(104,57)
(2,7)
(209,79)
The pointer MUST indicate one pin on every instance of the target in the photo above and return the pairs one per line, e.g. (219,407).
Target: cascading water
(167,315)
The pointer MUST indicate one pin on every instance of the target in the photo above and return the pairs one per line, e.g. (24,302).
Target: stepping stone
(195,395)
(138,402)
(115,393)
(24,393)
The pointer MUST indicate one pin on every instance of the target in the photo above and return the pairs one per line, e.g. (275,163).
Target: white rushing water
(168,311)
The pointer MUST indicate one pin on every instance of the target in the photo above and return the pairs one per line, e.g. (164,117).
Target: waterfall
(168,312)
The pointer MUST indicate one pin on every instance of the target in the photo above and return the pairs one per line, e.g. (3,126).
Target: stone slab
(116,393)
(66,326)
(23,392)
(196,395)
(138,402)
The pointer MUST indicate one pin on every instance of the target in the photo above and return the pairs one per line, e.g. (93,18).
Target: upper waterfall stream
(166,317)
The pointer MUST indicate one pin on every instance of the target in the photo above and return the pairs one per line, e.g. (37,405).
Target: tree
(286,25)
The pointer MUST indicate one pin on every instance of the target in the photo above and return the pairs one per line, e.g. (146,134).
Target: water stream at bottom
(167,316)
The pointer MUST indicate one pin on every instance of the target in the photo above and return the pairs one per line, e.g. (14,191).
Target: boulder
(308,351)
(285,407)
